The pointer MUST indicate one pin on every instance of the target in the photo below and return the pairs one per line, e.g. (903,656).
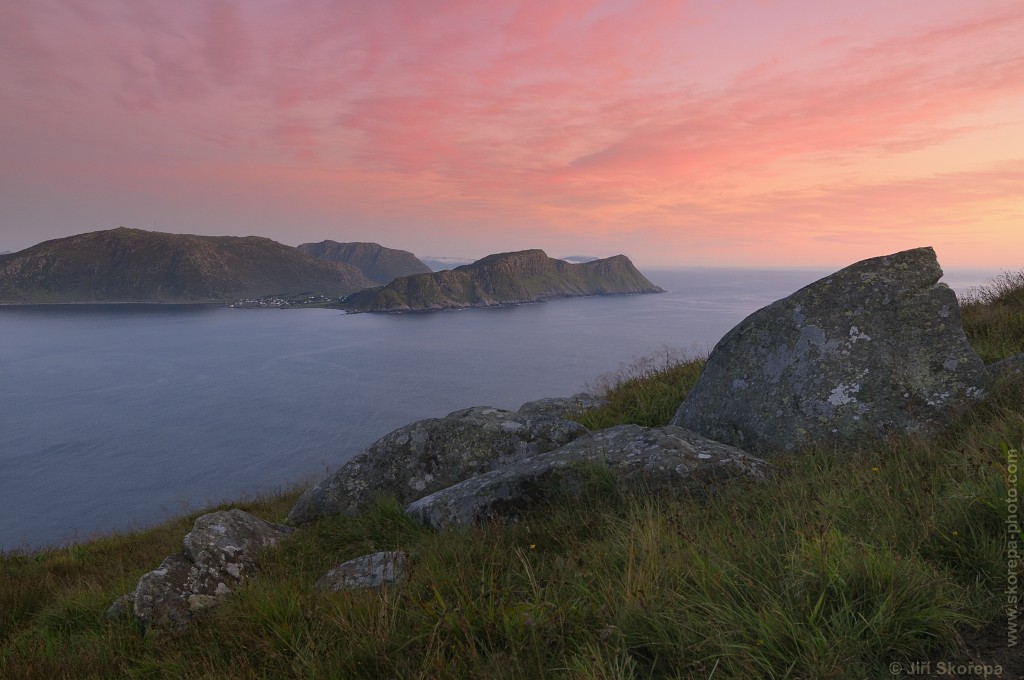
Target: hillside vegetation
(993,317)
(839,567)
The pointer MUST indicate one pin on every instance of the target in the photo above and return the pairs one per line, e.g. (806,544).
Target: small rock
(219,554)
(668,458)
(368,571)
(228,541)
(428,455)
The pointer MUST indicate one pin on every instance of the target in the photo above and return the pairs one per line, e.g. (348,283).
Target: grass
(993,317)
(835,568)
(646,393)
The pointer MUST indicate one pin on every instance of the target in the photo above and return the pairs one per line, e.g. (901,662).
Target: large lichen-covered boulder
(875,349)
(220,553)
(663,458)
(431,454)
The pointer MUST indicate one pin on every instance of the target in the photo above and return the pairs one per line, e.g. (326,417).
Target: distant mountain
(132,265)
(579,258)
(505,278)
(5,252)
(439,262)
(379,264)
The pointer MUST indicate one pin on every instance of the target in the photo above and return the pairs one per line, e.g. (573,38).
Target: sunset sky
(732,132)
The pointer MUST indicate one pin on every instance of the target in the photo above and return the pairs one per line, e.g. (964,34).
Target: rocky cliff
(132,265)
(501,279)
(379,264)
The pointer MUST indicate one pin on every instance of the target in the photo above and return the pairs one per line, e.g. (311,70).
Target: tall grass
(646,393)
(834,568)
(993,316)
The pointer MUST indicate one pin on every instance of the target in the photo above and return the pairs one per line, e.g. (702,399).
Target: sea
(117,416)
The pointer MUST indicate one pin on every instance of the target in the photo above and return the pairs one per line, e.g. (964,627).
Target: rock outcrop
(369,571)
(876,349)
(219,553)
(664,458)
(431,454)
(379,264)
(503,279)
(132,265)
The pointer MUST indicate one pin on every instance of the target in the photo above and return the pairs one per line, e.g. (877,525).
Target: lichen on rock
(367,572)
(663,458)
(875,349)
(219,553)
(428,455)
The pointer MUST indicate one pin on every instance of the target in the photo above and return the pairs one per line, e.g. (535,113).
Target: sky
(703,132)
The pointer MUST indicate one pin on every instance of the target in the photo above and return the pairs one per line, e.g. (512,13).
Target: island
(134,265)
(503,279)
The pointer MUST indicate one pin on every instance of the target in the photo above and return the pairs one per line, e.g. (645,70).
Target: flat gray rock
(1011,366)
(667,458)
(369,571)
(876,349)
(428,455)
(561,407)
(219,554)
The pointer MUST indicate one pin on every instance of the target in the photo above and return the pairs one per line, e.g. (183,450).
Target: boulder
(664,458)
(169,596)
(875,349)
(228,542)
(561,407)
(369,571)
(432,454)
(219,554)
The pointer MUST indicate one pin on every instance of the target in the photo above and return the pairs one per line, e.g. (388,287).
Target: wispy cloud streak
(809,126)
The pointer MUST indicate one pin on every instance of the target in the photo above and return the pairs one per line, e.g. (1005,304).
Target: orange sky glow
(708,132)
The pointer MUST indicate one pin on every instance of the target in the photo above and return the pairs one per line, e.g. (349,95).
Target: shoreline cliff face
(504,279)
(133,265)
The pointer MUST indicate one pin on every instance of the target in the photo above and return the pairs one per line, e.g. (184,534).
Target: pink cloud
(565,119)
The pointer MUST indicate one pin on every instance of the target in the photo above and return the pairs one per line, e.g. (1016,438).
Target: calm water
(113,417)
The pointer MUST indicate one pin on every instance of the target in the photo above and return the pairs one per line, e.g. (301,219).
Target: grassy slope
(836,568)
